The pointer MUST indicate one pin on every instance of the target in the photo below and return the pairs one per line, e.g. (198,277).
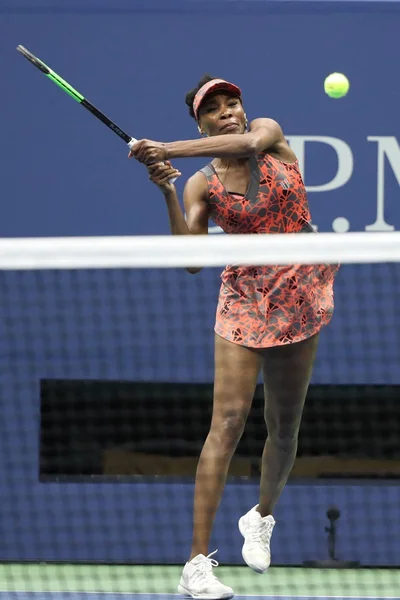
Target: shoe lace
(261,533)
(204,568)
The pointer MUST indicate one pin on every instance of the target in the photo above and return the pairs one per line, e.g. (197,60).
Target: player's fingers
(172,173)
(135,148)
(160,167)
(141,151)
(157,169)
(149,157)
(153,167)
(135,154)
(152,154)
(165,176)
(139,156)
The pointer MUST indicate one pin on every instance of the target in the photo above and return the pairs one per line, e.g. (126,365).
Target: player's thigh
(236,372)
(287,372)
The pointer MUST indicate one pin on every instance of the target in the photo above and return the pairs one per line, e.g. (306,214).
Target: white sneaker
(198,580)
(257,531)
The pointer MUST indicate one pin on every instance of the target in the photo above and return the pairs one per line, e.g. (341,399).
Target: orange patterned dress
(264,306)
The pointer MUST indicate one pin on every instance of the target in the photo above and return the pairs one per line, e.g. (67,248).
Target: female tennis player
(268,318)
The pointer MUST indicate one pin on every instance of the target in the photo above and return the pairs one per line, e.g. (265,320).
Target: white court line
(181,596)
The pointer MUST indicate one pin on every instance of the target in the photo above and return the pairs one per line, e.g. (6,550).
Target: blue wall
(64,174)
(151,523)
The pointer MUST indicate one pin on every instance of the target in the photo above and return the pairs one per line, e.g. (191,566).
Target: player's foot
(257,531)
(198,580)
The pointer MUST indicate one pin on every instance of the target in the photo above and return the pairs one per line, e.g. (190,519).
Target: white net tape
(197,251)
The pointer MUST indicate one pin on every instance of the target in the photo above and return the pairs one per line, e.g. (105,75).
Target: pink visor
(212,86)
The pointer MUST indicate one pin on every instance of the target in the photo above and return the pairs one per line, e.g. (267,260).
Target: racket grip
(130,144)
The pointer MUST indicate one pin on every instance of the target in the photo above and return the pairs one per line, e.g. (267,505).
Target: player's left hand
(148,152)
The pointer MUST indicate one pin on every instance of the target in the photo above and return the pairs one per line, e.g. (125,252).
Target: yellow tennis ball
(336,85)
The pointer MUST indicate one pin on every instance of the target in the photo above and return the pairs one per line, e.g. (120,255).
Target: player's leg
(287,372)
(236,372)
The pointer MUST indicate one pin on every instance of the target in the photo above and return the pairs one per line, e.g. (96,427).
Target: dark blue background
(64,174)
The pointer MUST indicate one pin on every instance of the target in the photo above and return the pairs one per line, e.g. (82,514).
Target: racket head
(34,60)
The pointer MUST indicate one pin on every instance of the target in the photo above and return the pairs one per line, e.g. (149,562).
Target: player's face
(222,113)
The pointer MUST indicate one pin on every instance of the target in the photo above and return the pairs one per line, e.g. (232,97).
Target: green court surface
(278,581)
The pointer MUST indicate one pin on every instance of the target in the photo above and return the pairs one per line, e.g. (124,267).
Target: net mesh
(106,363)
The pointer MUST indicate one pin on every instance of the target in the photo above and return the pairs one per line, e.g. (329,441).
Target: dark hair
(189,98)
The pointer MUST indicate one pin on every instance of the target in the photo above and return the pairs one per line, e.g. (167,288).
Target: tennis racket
(66,87)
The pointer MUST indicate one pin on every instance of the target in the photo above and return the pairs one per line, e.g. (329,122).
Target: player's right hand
(161,173)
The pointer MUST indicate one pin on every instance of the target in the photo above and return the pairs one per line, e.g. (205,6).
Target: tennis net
(106,364)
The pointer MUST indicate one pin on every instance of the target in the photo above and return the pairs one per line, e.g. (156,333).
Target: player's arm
(195,198)
(263,134)
(195,201)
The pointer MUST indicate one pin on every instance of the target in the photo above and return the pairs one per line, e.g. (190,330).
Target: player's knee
(228,429)
(284,433)
(283,426)
(285,439)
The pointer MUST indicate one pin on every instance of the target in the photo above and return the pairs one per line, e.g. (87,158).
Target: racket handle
(130,144)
